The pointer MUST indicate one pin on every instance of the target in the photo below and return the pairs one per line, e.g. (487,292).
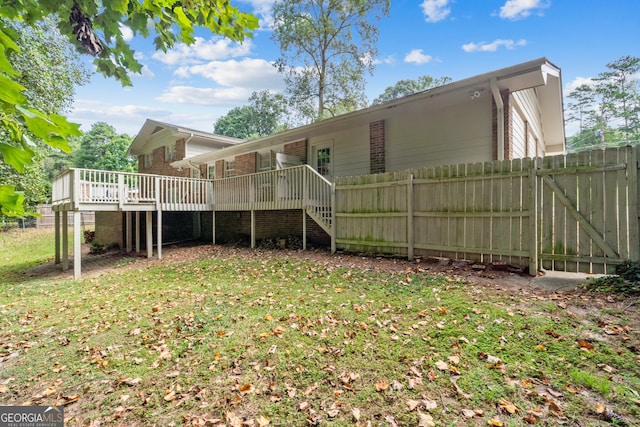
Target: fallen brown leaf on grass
(425,420)
(382,385)
(586,345)
(507,406)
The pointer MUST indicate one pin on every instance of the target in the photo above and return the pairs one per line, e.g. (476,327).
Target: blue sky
(194,85)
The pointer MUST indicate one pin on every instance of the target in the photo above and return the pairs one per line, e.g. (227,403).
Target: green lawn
(238,337)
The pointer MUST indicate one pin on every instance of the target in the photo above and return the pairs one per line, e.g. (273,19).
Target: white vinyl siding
(528,106)
(450,131)
(518,134)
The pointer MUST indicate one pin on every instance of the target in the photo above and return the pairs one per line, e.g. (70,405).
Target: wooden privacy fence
(47,218)
(577,212)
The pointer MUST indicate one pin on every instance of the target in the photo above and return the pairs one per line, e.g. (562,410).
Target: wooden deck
(82,190)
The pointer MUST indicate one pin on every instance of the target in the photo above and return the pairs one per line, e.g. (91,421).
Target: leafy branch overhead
(94,26)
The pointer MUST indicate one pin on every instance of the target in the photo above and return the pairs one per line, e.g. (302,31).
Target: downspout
(500,117)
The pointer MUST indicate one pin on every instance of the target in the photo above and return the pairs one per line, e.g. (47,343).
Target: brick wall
(376,146)
(246,164)
(236,227)
(160,167)
(508,151)
(298,148)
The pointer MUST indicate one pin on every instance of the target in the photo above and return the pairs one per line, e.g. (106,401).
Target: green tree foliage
(48,69)
(94,26)
(326,48)
(409,87)
(103,148)
(262,117)
(608,110)
(48,66)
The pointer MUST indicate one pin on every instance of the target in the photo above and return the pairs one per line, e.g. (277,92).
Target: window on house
(148,160)
(323,161)
(170,153)
(266,161)
(211,171)
(195,173)
(229,169)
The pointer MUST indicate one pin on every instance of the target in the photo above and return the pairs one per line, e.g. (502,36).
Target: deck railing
(298,187)
(87,188)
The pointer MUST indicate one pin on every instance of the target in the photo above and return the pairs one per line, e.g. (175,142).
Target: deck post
(57,236)
(77,249)
(159,234)
(128,236)
(149,228)
(253,229)
(305,197)
(137,231)
(65,240)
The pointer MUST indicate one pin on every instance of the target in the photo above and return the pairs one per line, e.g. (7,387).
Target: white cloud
(127,33)
(249,73)
(416,56)
(225,97)
(493,46)
(145,73)
(577,82)
(435,10)
(203,50)
(263,10)
(519,9)
(126,118)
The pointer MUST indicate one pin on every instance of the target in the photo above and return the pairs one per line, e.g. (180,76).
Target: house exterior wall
(196,148)
(527,105)
(297,148)
(161,167)
(350,149)
(246,163)
(455,130)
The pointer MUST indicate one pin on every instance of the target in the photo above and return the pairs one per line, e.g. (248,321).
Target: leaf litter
(225,336)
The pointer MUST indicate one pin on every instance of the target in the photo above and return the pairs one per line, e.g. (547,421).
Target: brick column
(298,148)
(376,147)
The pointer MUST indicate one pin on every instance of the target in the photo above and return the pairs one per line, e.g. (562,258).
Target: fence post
(410,237)
(533,217)
(634,209)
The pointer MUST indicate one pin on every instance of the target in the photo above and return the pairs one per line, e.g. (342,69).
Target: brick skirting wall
(236,227)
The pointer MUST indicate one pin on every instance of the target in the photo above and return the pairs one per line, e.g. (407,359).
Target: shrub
(626,280)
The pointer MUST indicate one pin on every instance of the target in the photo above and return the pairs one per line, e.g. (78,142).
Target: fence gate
(588,210)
